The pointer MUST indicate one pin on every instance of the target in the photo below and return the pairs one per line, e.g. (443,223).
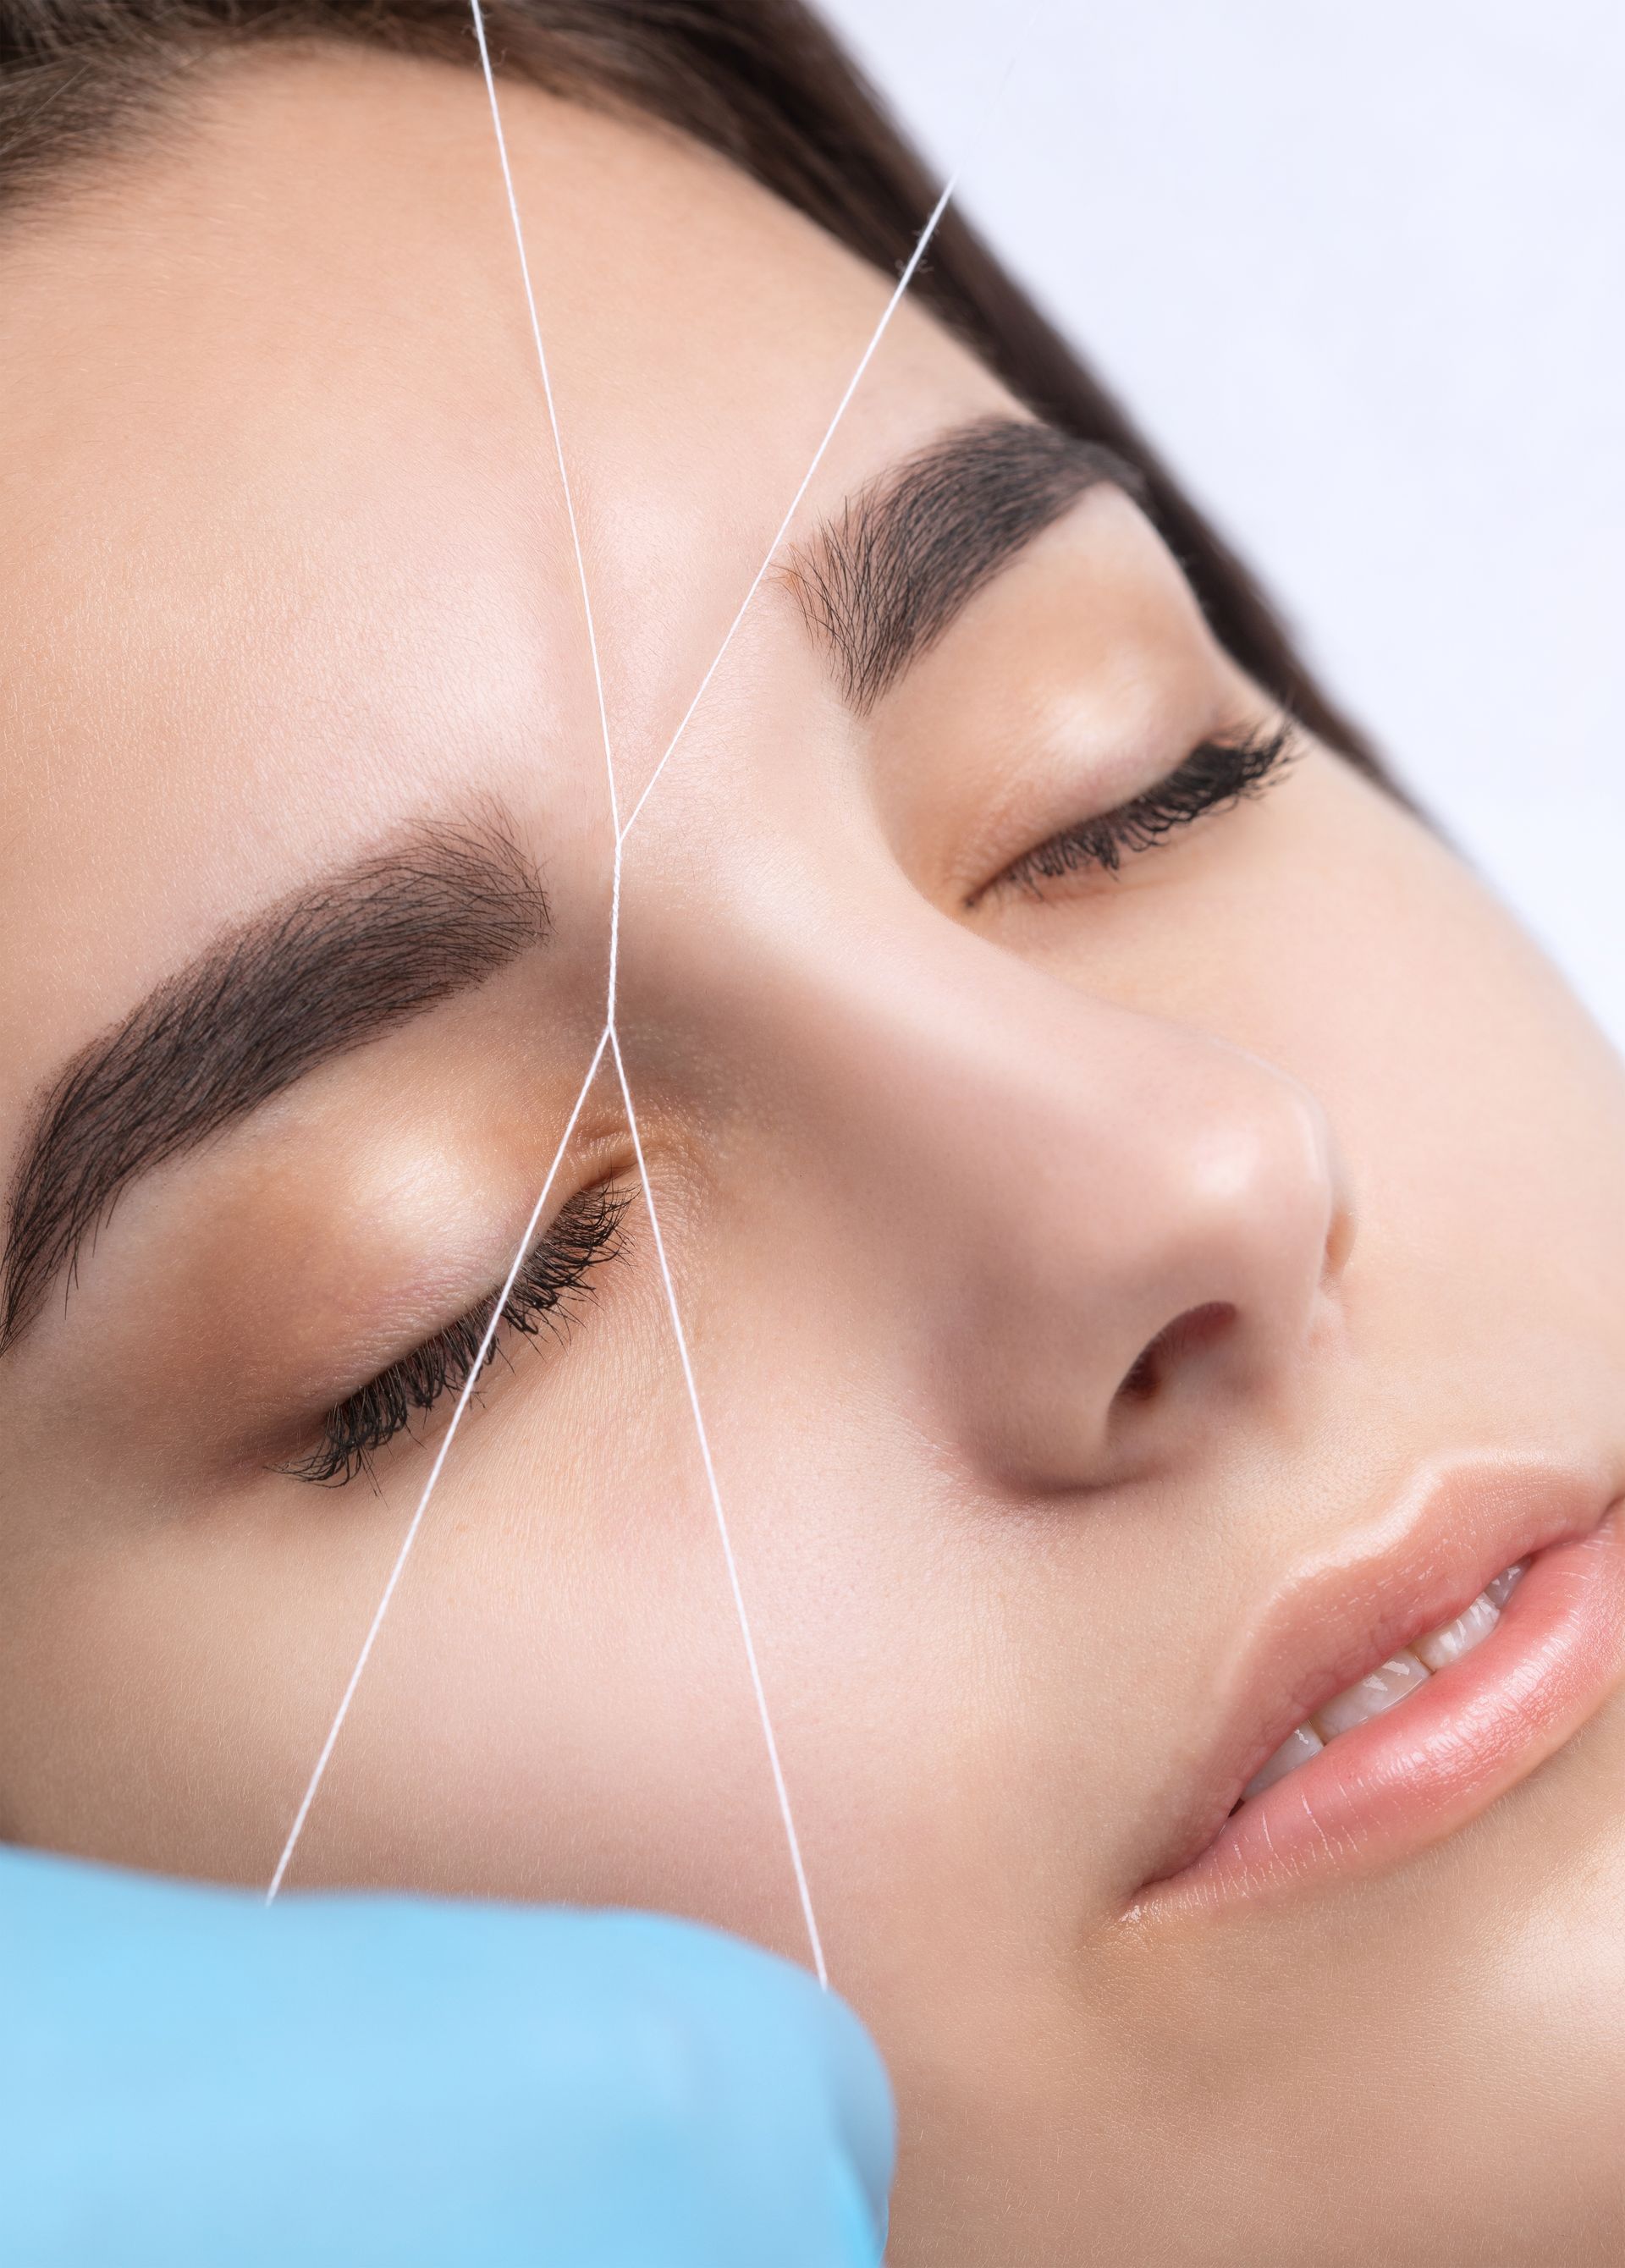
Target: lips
(1387,1701)
(1409,1671)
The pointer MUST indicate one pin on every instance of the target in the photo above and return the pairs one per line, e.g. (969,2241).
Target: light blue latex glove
(190,2081)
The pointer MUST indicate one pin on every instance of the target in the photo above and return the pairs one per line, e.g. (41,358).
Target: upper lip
(1342,1616)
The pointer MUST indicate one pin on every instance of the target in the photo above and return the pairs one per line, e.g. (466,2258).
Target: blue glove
(190,2081)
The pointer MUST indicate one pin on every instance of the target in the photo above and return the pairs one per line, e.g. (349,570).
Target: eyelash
(1214,776)
(587,1232)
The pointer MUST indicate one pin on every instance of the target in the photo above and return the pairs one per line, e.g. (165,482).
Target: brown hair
(764,83)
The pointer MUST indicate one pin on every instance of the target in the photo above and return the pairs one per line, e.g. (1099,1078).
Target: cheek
(1482,1115)
(558,1706)
(966,1704)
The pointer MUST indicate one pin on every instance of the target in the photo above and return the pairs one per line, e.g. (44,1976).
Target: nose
(1097,1232)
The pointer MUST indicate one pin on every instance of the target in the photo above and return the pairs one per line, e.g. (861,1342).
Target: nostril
(1175,1344)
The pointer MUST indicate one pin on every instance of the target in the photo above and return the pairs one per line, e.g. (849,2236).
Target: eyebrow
(311,977)
(882,582)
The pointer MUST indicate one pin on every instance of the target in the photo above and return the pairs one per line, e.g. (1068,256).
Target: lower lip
(1409,1778)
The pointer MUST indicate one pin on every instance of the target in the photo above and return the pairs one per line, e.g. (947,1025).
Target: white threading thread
(612,1036)
(681,1337)
(608,1037)
(841,407)
(474,1370)
(547,391)
(478,13)
(411,1537)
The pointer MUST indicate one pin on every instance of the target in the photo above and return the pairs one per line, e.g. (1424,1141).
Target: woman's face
(1125,1307)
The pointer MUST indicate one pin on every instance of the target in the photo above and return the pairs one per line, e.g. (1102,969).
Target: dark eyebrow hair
(311,977)
(883,581)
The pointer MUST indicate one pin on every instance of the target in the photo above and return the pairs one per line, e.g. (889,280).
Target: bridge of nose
(1032,1185)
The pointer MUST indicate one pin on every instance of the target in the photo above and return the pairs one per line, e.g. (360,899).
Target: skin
(931,1176)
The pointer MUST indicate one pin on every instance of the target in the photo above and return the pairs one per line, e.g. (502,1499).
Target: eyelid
(584,1234)
(1212,777)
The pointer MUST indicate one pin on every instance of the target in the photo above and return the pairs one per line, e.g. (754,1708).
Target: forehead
(286,549)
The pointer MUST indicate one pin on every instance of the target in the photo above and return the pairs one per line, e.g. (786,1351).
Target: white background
(1358,270)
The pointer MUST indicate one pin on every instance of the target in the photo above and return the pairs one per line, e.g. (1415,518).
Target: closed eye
(1215,776)
(554,1275)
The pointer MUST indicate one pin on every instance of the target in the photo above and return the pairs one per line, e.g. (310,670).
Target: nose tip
(1091,1226)
(1180,1274)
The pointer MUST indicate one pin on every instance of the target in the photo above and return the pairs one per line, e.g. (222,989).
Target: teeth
(1384,1689)
(1502,1589)
(1296,1749)
(1470,1628)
